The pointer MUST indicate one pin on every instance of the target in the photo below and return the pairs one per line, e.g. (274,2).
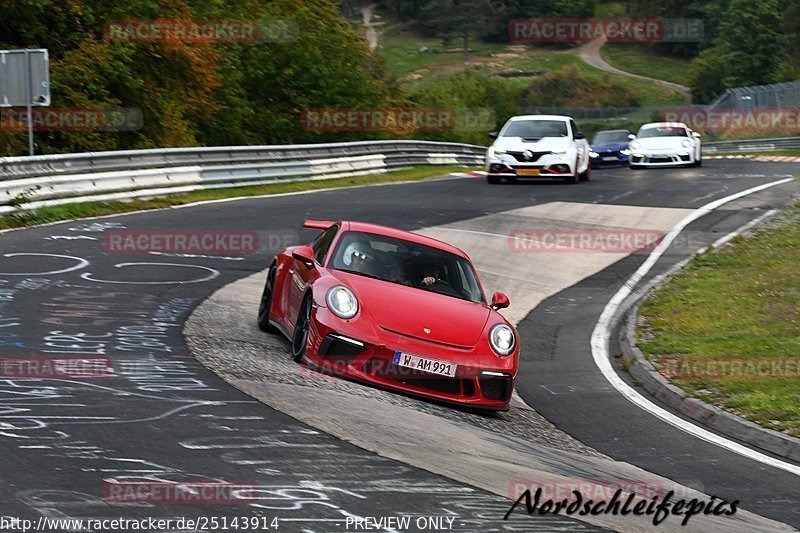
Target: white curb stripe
(602,333)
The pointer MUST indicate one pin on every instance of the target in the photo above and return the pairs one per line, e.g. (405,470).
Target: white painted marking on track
(618,196)
(71,238)
(602,330)
(709,195)
(223,257)
(81,263)
(213,274)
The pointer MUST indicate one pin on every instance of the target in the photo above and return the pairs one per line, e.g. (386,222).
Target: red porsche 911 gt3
(395,309)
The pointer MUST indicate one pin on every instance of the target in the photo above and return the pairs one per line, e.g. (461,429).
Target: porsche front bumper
(662,158)
(482,380)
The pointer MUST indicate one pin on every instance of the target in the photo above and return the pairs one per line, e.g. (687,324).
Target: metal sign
(25,82)
(24,78)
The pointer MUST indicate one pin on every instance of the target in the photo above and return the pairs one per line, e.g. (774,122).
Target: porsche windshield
(406,263)
(663,132)
(536,129)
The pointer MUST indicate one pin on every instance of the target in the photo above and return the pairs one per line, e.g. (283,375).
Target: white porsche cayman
(665,144)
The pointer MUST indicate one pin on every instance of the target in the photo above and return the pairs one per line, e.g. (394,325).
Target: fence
(775,96)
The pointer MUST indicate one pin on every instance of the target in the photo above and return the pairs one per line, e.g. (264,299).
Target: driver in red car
(430,275)
(431,278)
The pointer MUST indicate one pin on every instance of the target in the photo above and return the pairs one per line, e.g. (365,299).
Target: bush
(569,87)
(486,101)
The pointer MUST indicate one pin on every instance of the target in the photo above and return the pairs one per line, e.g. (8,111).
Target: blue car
(610,147)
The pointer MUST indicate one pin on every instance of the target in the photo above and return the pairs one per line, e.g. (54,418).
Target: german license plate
(609,158)
(425,364)
(528,172)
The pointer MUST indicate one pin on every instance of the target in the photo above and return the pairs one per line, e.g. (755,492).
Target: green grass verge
(47,215)
(642,60)
(740,302)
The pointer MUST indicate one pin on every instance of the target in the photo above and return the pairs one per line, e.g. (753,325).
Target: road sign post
(25,81)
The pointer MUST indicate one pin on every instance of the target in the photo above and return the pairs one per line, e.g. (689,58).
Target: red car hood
(410,311)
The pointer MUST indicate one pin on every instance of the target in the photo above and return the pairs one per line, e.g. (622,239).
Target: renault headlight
(502,339)
(495,151)
(342,302)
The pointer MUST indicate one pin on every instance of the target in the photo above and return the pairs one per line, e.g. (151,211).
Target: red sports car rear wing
(318,224)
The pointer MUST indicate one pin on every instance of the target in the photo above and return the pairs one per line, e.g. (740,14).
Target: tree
(751,41)
(448,19)
(194,93)
(750,49)
(705,76)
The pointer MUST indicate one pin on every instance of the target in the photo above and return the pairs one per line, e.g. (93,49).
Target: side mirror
(695,135)
(493,134)
(305,255)
(579,135)
(500,301)
(631,136)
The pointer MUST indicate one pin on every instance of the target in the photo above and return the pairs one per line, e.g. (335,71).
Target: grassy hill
(417,60)
(644,61)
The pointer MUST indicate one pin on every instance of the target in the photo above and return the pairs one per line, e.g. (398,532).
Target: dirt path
(367,13)
(590,53)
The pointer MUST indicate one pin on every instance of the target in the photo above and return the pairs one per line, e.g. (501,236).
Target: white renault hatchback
(665,144)
(538,146)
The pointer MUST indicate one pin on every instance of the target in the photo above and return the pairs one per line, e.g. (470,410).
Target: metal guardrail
(755,145)
(57,164)
(31,182)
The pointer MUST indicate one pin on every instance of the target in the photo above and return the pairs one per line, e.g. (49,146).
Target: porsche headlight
(495,151)
(501,337)
(636,145)
(342,302)
(687,143)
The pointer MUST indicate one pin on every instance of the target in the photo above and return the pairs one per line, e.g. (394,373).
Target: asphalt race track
(163,416)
